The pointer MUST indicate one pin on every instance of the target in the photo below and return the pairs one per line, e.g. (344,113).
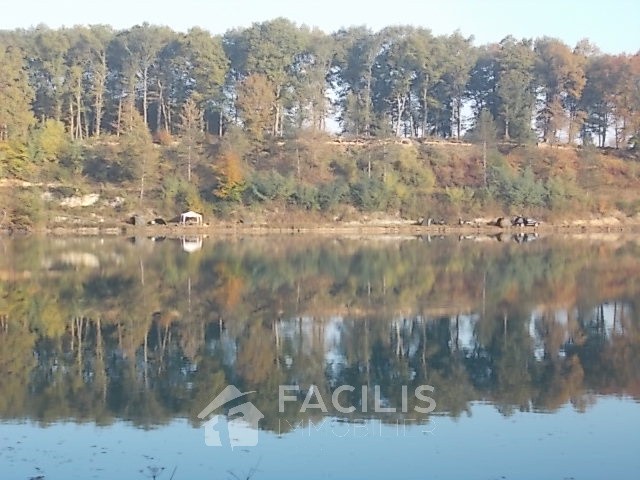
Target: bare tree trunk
(425,112)
(73,334)
(165,113)
(145,88)
(458,117)
(368,101)
(570,129)
(160,106)
(189,164)
(119,124)
(400,103)
(276,123)
(142,181)
(86,124)
(99,87)
(72,129)
(79,110)
(484,163)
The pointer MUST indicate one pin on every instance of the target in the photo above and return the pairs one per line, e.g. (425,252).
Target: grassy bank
(307,182)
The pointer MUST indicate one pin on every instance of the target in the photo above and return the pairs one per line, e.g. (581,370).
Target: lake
(288,357)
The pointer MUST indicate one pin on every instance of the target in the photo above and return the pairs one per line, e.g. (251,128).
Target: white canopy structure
(191,216)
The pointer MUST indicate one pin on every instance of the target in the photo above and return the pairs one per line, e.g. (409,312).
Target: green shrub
(414,206)
(28,208)
(411,171)
(264,186)
(345,167)
(516,191)
(109,166)
(331,194)
(629,207)
(435,155)
(370,194)
(305,196)
(181,195)
(459,197)
(561,193)
(72,159)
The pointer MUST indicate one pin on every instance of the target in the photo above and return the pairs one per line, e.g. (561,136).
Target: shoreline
(225,229)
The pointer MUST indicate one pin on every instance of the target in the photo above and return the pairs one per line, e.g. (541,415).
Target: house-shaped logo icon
(238,428)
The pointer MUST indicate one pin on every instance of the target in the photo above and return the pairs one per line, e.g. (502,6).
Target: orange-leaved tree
(230,176)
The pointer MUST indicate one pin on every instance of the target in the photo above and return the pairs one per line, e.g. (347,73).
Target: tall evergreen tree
(16,95)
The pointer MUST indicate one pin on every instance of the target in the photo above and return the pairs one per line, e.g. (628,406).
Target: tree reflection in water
(102,330)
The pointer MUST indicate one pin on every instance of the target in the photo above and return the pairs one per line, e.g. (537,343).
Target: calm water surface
(110,348)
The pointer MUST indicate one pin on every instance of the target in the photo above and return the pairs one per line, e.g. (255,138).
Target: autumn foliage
(230,176)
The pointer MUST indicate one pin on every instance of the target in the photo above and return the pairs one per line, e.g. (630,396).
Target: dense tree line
(275,78)
(158,121)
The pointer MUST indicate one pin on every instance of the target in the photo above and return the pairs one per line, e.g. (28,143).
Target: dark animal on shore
(137,220)
(521,221)
(518,221)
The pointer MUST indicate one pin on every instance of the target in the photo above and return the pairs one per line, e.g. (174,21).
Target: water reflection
(105,329)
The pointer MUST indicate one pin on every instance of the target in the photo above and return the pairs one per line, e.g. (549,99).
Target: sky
(613,25)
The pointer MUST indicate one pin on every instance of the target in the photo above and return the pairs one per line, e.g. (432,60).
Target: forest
(282,116)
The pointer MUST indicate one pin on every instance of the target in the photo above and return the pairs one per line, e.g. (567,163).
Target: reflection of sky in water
(333,355)
(304,328)
(609,314)
(463,333)
(600,443)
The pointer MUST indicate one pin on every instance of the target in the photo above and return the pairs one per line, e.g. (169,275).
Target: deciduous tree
(256,102)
